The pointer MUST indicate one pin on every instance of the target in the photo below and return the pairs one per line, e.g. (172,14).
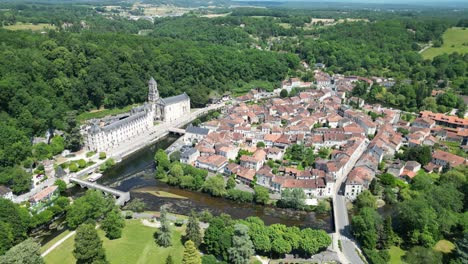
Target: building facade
(108,132)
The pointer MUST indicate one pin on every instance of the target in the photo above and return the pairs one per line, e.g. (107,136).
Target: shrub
(102,155)
(239,196)
(81,163)
(73,167)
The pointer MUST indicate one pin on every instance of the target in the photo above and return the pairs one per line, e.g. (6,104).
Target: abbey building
(110,131)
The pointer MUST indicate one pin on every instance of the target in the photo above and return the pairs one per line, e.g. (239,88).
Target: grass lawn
(395,255)
(102,113)
(54,240)
(454,38)
(29,26)
(135,246)
(444,246)
(285,25)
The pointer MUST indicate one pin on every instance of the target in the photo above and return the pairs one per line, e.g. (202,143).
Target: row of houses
(262,132)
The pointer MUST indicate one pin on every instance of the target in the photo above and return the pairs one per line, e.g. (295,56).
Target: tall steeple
(153,93)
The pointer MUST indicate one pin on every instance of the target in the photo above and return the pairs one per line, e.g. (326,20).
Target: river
(136,174)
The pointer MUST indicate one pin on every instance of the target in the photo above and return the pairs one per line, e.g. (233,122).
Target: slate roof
(175,99)
(197,130)
(188,152)
(115,122)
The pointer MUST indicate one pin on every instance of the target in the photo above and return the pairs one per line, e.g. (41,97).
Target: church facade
(105,133)
(167,109)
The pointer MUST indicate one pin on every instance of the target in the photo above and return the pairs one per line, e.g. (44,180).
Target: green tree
(231,183)
(313,240)
(135,205)
(6,237)
(242,248)
(62,186)
(261,195)
(73,167)
(417,222)
(113,223)
(57,145)
(324,153)
(365,226)
(193,232)
(88,245)
(42,151)
(422,255)
(280,246)
(176,170)
(260,144)
(215,186)
(239,196)
(292,198)
(14,145)
(387,179)
(258,232)
(26,252)
(164,234)
(93,205)
(16,178)
(284,93)
(191,254)
(16,218)
(218,237)
(365,199)
(102,155)
(81,163)
(209,259)
(461,248)
(161,159)
(73,136)
(169,260)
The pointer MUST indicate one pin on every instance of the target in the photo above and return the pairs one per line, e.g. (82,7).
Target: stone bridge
(176,130)
(121,197)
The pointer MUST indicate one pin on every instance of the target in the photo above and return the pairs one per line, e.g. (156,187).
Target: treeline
(189,177)
(426,211)
(16,221)
(44,77)
(382,48)
(275,240)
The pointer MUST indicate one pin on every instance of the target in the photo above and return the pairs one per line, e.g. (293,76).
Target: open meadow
(29,26)
(455,40)
(136,245)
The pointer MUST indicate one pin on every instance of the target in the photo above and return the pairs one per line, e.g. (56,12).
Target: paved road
(343,233)
(157,131)
(342,225)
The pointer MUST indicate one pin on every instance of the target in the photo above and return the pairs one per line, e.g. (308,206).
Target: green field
(395,255)
(454,38)
(29,26)
(135,246)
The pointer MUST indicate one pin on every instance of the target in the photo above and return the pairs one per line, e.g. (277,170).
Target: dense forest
(95,58)
(432,207)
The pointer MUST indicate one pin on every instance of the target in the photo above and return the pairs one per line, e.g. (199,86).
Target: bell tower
(153,98)
(153,93)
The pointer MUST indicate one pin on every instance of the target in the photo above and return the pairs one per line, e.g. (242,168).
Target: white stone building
(106,133)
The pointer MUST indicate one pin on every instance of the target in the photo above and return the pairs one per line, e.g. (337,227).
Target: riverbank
(135,246)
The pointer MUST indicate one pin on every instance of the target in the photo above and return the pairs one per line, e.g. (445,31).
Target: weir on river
(121,197)
(135,174)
